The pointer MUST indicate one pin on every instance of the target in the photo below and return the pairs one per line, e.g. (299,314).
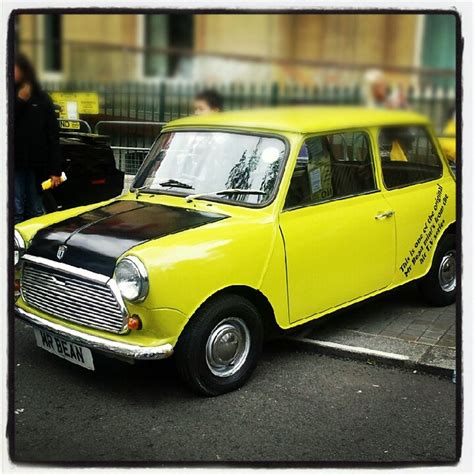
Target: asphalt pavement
(298,407)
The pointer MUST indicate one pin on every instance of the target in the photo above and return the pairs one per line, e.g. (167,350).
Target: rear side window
(408,156)
(331,167)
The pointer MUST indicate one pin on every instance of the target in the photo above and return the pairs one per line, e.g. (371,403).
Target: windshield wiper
(224,192)
(174,183)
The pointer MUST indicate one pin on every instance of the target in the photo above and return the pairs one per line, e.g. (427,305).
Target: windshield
(201,162)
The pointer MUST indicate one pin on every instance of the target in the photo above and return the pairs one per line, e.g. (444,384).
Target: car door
(419,192)
(337,227)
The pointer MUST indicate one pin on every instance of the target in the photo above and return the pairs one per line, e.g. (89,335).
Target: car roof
(303,119)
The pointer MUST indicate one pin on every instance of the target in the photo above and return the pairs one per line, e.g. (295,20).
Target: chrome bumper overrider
(97,343)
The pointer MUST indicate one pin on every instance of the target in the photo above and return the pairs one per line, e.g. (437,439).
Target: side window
(408,156)
(331,167)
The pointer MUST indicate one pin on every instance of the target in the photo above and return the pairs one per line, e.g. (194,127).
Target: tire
(205,362)
(438,286)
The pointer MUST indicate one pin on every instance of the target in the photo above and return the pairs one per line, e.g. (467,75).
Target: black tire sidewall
(191,347)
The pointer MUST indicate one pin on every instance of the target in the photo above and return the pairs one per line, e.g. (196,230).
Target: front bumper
(119,349)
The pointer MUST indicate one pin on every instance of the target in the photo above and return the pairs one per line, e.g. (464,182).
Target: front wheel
(219,348)
(438,286)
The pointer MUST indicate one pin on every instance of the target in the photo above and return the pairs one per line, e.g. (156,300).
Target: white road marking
(355,349)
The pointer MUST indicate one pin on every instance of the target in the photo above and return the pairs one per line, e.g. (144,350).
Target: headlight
(19,247)
(132,279)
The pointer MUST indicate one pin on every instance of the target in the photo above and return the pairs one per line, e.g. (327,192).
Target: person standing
(377,92)
(36,148)
(207,101)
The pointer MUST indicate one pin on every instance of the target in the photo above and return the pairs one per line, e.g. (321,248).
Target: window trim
(143,31)
(43,74)
(435,148)
(140,75)
(47,71)
(342,198)
(373,152)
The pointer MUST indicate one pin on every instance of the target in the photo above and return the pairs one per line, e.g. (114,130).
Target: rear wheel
(219,348)
(439,285)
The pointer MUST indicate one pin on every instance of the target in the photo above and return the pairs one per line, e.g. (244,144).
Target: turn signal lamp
(134,322)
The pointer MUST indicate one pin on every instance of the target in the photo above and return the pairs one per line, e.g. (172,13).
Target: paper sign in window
(315,179)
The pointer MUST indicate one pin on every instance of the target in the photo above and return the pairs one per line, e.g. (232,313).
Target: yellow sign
(70,124)
(74,103)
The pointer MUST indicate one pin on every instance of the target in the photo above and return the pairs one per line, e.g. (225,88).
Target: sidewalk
(397,328)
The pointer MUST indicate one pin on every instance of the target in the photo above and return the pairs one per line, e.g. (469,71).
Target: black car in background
(92,175)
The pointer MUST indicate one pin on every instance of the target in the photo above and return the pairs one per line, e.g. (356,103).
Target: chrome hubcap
(227,347)
(447,272)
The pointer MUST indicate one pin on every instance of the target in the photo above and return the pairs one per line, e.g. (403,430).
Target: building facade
(304,48)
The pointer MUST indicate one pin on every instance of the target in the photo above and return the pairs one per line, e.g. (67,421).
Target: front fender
(186,269)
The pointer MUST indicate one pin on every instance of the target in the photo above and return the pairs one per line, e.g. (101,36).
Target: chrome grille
(71,297)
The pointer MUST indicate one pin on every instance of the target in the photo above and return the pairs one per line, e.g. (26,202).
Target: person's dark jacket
(36,136)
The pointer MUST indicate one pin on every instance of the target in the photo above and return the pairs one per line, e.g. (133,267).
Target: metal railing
(131,145)
(133,114)
(101,123)
(168,100)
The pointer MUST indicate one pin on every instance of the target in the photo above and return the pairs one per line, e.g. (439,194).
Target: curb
(362,353)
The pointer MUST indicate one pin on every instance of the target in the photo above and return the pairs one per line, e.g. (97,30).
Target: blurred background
(126,75)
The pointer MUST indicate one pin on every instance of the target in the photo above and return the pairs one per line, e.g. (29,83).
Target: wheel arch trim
(254,296)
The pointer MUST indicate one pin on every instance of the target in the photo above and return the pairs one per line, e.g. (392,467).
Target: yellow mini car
(239,223)
(448,141)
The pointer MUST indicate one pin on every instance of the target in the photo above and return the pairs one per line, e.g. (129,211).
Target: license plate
(65,349)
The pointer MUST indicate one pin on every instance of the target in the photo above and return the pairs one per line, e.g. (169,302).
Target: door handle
(384,215)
